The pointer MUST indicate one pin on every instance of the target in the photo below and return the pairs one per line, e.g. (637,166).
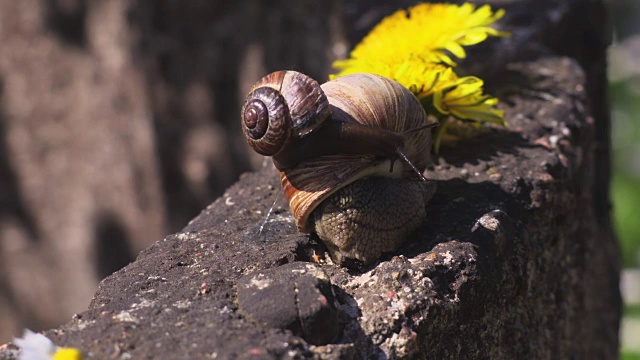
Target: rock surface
(296,296)
(516,260)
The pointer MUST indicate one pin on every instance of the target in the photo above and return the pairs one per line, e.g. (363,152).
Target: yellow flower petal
(464,99)
(64,353)
(456,49)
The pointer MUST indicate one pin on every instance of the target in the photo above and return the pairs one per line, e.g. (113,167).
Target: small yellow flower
(35,346)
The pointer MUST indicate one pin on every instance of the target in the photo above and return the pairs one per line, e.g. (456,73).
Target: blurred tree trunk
(80,188)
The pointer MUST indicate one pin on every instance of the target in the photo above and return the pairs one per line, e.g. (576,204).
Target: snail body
(347,150)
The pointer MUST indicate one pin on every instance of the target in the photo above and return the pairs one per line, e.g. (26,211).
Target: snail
(350,152)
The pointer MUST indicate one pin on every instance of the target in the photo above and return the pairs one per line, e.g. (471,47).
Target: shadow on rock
(456,212)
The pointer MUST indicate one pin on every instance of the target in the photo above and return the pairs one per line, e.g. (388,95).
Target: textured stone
(296,296)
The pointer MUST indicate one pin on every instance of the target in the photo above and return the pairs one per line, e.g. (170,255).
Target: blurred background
(119,123)
(624,81)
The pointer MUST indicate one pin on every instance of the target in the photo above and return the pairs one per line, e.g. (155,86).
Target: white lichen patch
(487,221)
(312,270)
(182,304)
(260,282)
(281,218)
(186,236)
(403,343)
(79,325)
(225,310)
(143,304)
(366,279)
(448,258)
(125,316)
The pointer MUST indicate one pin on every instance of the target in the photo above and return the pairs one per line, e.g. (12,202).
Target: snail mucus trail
(336,146)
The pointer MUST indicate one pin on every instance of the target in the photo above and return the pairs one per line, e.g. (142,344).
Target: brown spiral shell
(281,107)
(370,100)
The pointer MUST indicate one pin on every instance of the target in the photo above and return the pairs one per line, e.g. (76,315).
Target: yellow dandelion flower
(422,32)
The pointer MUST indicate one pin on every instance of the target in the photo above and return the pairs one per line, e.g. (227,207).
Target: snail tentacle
(406,159)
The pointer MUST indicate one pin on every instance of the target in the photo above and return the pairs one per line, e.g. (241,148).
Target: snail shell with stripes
(350,152)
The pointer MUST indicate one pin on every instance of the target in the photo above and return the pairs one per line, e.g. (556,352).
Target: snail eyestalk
(420,128)
(404,156)
(406,159)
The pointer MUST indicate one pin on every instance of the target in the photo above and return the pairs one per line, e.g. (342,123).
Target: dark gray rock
(296,296)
